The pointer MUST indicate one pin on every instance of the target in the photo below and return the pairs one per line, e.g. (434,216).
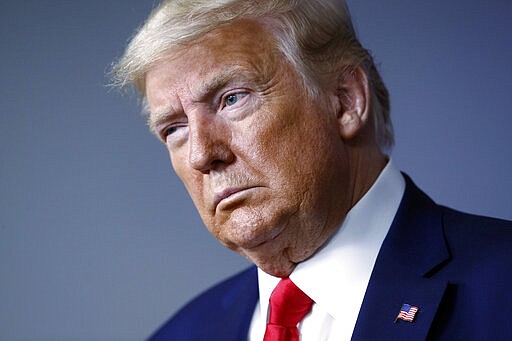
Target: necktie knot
(288,306)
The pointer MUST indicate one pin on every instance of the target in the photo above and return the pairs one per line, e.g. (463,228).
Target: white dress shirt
(337,276)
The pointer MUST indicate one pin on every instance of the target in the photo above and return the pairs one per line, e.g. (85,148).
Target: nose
(209,143)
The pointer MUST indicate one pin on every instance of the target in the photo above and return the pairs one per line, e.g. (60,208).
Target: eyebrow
(206,89)
(217,82)
(154,119)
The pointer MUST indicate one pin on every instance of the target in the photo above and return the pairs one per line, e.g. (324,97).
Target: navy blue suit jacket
(456,267)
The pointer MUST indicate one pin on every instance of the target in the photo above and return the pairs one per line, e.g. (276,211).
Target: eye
(169,131)
(232,99)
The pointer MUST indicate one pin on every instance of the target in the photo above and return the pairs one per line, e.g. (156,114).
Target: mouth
(230,195)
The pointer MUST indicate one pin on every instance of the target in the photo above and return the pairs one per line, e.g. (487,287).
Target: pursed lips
(228,192)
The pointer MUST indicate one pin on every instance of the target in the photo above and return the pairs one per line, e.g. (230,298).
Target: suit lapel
(412,251)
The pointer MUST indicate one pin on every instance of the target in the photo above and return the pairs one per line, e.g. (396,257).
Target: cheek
(280,145)
(301,151)
(273,135)
(177,164)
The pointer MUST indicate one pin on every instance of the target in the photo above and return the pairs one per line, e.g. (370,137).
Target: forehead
(245,44)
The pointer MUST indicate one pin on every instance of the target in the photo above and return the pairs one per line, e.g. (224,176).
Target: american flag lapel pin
(407,313)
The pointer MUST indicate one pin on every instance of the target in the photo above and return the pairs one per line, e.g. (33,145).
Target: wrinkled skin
(268,168)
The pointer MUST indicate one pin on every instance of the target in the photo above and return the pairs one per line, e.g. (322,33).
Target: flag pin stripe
(407,313)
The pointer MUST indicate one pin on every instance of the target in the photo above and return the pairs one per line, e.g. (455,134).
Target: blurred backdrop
(98,238)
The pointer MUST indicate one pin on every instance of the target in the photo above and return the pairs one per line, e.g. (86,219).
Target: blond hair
(313,35)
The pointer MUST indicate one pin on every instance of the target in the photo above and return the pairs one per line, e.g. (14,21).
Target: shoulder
(478,276)
(469,247)
(469,253)
(234,298)
(476,223)
(482,240)
(459,229)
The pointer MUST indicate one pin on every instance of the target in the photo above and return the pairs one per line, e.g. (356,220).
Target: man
(277,122)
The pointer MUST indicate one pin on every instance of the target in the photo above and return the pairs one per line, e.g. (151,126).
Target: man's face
(263,162)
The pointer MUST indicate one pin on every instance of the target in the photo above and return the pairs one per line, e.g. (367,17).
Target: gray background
(98,239)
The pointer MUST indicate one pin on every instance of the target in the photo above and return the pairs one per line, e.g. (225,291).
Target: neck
(365,165)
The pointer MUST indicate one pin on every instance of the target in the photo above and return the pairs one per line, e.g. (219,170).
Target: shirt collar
(341,269)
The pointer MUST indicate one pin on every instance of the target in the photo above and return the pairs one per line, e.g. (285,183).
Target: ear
(353,98)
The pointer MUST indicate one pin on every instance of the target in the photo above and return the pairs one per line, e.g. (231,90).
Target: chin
(249,228)
(281,272)
(247,237)
(277,265)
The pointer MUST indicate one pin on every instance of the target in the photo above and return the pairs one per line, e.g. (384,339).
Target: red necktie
(288,306)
